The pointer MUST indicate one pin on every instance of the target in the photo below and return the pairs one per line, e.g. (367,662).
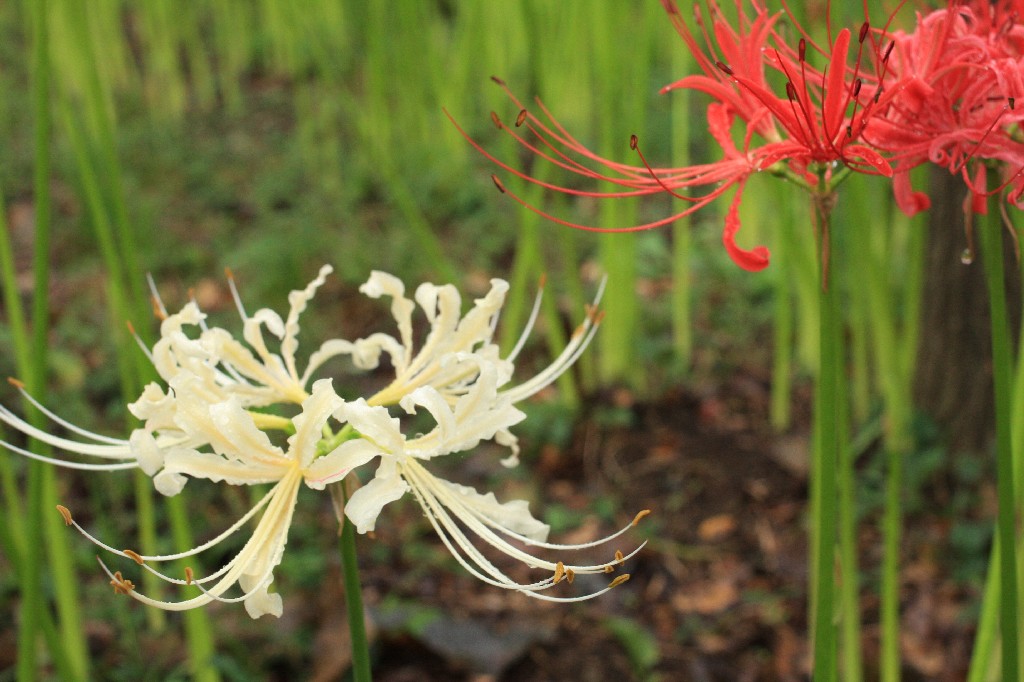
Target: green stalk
(782,331)
(849,585)
(40,482)
(988,620)
(198,633)
(1002,373)
(354,601)
(12,531)
(19,337)
(895,370)
(51,636)
(826,457)
(682,295)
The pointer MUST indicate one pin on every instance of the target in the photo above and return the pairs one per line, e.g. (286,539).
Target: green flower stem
(849,585)
(988,620)
(1002,373)
(198,631)
(354,600)
(682,295)
(826,458)
(331,441)
(44,532)
(894,348)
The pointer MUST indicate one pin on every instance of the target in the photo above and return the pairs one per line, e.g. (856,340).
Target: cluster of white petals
(208,419)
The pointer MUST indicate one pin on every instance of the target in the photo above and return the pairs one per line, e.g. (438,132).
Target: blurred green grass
(271,137)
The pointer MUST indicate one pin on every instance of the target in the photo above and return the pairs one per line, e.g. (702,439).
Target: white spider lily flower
(453,333)
(243,455)
(249,371)
(142,449)
(479,414)
(200,372)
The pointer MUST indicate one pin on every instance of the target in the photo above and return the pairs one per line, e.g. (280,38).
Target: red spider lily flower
(950,92)
(805,134)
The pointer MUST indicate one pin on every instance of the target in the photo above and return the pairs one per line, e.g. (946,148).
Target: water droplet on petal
(967,257)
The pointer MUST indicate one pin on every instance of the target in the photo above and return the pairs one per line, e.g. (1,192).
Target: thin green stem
(1002,373)
(354,601)
(682,296)
(32,604)
(198,632)
(826,458)
(849,585)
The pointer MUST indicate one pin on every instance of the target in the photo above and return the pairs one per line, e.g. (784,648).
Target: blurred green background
(271,137)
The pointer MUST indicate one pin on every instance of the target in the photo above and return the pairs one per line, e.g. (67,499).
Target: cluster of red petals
(950,91)
(882,102)
(815,124)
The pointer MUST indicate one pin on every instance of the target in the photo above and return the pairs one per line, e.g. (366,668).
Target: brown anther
(878,93)
(228,273)
(18,384)
(619,580)
(159,314)
(849,131)
(121,584)
(722,66)
(640,515)
(66,513)
(496,121)
(790,91)
(802,48)
(619,556)
(188,575)
(599,316)
(857,84)
(864,28)
(559,572)
(1010,101)
(497,183)
(570,575)
(888,51)
(497,80)
(133,555)
(543,280)
(609,568)
(633,142)
(520,117)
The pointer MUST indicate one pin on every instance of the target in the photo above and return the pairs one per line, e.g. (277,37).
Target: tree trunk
(953,382)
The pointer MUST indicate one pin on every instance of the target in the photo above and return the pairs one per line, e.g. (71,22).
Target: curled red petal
(909,201)
(755,259)
(871,158)
(977,197)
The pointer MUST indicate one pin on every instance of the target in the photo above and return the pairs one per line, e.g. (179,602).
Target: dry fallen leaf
(716,528)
